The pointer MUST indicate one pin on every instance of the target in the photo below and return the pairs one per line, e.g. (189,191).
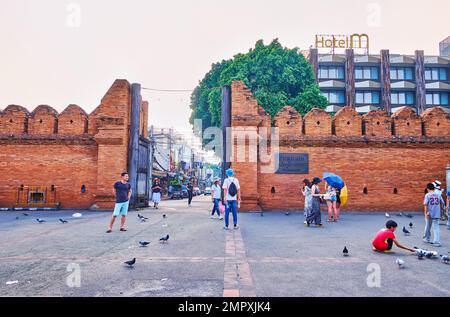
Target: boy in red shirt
(385,238)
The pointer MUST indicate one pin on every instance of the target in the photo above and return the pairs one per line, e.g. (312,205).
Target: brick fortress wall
(386,161)
(68,150)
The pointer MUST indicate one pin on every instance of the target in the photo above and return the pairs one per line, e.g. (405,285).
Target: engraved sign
(292,163)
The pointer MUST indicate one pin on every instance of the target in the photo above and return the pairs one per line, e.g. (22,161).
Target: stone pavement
(274,255)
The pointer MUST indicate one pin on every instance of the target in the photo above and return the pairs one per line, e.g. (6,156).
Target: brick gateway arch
(72,159)
(386,161)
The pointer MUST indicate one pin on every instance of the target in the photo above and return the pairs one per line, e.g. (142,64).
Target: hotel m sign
(343,41)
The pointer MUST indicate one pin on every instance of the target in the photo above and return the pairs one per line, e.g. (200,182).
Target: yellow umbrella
(344,196)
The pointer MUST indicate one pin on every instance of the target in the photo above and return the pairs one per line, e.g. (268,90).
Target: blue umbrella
(334,180)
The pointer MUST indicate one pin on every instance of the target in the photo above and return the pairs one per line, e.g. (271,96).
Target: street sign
(292,163)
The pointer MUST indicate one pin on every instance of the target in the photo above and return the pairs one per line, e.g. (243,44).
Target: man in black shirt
(122,191)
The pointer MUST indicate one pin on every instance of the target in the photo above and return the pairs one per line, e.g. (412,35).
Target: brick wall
(386,168)
(67,150)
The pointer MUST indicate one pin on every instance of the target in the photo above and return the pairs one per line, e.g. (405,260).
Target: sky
(59,52)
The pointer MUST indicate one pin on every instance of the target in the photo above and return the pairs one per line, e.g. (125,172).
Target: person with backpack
(232,194)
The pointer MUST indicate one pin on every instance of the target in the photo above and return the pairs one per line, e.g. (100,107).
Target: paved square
(274,255)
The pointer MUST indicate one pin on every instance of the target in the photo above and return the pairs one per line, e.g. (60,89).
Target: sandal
(123,229)
(109,231)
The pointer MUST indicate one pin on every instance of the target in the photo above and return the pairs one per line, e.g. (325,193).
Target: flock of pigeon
(421,253)
(144,244)
(130,263)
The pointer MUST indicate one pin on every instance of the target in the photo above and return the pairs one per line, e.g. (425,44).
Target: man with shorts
(122,191)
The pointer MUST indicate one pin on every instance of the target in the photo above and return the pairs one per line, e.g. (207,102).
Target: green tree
(277,77)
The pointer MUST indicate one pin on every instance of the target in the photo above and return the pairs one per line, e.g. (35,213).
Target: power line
(169,90)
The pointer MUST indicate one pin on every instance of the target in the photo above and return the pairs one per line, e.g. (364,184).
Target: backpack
(232,189)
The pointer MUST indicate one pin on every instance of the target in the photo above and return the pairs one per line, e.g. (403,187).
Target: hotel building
(384,81)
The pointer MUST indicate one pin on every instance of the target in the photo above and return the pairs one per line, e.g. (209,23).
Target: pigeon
(409,215)
(387,215)
(17,218)
(405,231)
(142,217)
(164,239)
(288,213)
(400,262)
(445,259)
(144,243)
(420,254)
(131,263)
(40,220)
(410,224)
(63,221)
(345,251)
(164,216)
(25,214)
(400,214)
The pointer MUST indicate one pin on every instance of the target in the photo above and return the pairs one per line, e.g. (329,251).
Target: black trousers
(190,195)
(390,242)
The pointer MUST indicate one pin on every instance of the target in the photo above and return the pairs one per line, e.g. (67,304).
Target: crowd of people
(226,199)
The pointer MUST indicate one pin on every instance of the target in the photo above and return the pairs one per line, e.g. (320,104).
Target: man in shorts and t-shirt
(122,191)
(432,208)
(385,238)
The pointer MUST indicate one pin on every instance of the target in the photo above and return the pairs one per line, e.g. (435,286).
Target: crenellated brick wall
(386,161)
(68,151)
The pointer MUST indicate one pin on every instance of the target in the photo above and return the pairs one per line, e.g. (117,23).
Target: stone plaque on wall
(292,163)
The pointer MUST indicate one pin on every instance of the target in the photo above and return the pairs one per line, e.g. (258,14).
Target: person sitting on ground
(385,238)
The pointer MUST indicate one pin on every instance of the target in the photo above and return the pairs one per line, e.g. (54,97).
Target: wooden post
(385,76)
(133,145)
(350,77)
(314,60)
(226,125)
(420,82)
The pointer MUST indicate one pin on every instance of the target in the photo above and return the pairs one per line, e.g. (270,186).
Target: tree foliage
(277,77)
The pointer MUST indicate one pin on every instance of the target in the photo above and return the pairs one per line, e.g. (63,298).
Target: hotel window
(369,72)
(437,99)
(368,97)
(436,73)
(334,97)
(402,98)
(331,72)
(402,73)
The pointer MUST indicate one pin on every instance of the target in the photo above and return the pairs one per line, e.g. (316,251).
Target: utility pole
(152,159)
(170,149)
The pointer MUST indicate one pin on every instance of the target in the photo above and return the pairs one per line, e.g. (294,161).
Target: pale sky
(51,55)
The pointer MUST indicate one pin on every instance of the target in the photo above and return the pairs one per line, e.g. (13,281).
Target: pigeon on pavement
(142,217)
(410,224)
(131,263)
(164,216)
(144,243)
(40,220)
(445,259)
(387,215)
(17,218)
(164,239)
(409,215)
(405,231)
(63,221)
(400,263)
(25,214)
(400,214)
(345,251)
